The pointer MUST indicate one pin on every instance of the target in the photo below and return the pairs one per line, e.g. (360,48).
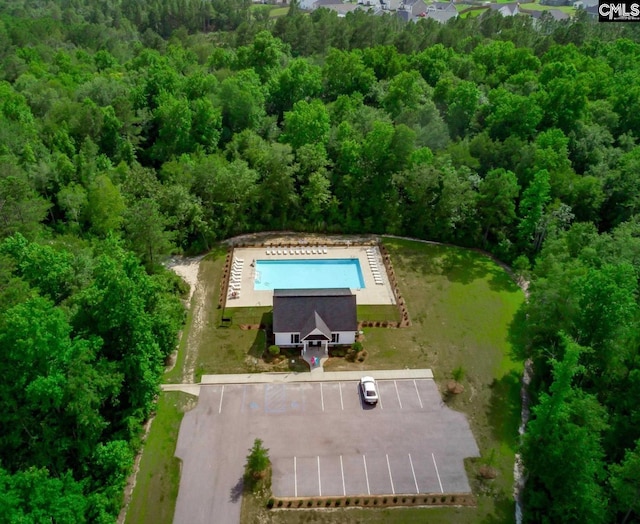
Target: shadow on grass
(466,265)
(264,336)
(505,408)
(457,264)
(504,511)
(518,335)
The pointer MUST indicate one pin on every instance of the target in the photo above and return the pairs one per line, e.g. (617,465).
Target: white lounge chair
(268,251)
(297,251)
(279,252)
(308,251)
(324,250)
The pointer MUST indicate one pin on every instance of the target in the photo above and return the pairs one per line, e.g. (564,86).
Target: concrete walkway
(283,378)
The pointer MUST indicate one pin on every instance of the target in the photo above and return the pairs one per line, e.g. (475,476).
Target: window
(295,338)
(335,338)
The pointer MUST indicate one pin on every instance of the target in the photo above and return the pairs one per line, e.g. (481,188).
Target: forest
(131,130)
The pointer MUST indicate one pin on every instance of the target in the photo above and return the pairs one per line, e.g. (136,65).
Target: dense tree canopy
(129,130)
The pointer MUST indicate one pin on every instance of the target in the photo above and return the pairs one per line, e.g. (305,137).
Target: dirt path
(188,269)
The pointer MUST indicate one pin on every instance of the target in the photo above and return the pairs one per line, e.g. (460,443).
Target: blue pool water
(308,274)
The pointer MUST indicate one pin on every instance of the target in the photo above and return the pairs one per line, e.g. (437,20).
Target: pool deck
(372,294)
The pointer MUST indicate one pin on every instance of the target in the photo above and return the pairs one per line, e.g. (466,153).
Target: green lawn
(534,6)
(472,14)
(157,482)
(278,11)
(460,303)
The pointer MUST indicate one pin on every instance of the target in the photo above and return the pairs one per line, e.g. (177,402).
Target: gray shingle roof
(303,310)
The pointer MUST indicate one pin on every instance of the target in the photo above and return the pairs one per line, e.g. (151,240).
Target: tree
(532,205)
(300,80)
(258,460)
(308,123)
(72,199)
(407,90)
(565,431)
(146,231)
(344,73)
(625,484)
(497,193)
(242,100)
(106,206)
(137,321)
(34,495)
(512,114)
(21,208)
(264,55)
(463,102)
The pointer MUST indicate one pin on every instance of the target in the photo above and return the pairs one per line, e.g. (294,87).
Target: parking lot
(322,440)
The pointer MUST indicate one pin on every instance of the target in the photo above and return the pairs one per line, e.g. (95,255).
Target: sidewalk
(280,378)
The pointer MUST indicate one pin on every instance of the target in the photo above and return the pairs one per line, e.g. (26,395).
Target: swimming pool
(308,274)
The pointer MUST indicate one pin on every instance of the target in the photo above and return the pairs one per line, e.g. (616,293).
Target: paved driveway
(323,441)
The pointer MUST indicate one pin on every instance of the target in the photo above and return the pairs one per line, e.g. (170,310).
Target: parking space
(324,441)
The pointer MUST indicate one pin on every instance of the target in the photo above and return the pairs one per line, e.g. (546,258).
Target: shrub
(279,503)
(458,373)
(395,500)
(274,350)
(357,347)
(258,459)
(270,503)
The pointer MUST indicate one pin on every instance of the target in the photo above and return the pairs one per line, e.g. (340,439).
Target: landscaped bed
(461,304)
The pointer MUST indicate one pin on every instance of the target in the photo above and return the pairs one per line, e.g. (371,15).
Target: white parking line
(221,395)
(344,489)
(322,396)
(393,490)
(366,474)
(341,404)
(319,480)
(414,474)
(436,466)
(295,477)
(398,394)
(417,393)
(380,398)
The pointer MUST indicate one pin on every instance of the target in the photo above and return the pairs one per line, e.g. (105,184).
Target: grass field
(461,304)
(158,478)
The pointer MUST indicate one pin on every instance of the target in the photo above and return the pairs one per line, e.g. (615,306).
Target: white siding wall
(283,339)
(347,337)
